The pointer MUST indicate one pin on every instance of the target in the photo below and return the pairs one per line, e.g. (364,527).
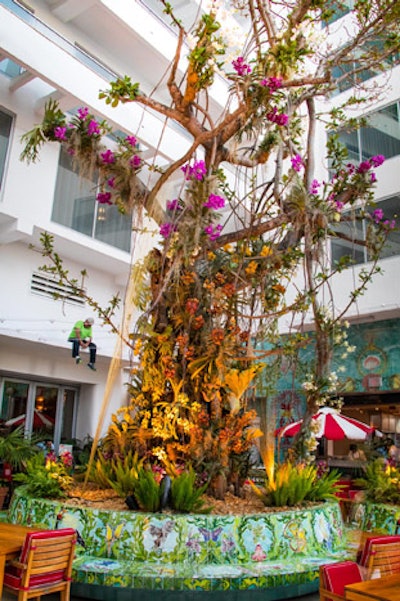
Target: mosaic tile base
(134,551)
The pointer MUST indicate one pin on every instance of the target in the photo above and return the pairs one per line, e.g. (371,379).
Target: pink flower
(93,127)
(59,132)
(214,202)
(131,140)
(104,198)
(314,187)
(297,163)
(198,171)
(377,160)
(213,232)
(83,113)
(173,205)
(377,215)
(166,229)
(135,161)
(363,167)
(111,182)
(278,118)
(241,67)
(273,83)
(108,157)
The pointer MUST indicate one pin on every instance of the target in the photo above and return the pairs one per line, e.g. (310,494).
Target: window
(381,135)
(349,74)
(5,131)
(75,206)
(355,230)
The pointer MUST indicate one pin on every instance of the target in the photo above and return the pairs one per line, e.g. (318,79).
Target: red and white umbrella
(39,420)
(333,425)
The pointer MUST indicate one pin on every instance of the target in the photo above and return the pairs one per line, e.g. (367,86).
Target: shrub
(292,484)
(45,477)
(185,495)
(381,482)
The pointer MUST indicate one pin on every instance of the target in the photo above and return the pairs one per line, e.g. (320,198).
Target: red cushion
(12,575)
(382,539)
(337,575)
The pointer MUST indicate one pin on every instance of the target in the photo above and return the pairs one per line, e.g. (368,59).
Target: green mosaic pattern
(193,552)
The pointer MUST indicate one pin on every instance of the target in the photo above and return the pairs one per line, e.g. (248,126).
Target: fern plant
(147,491)
(185,495)
(125,473)
(289,485)
(381,482)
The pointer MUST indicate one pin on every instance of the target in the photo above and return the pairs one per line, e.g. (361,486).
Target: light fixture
(101,214)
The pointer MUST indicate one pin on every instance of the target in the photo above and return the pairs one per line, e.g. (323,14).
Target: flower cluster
(241,67)
(297,163)
(214,202)
(213,232)
(278,118)
(272,83)
(198,171)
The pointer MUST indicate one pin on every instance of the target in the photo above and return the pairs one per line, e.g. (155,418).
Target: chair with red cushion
(44,566)
(375,539)
(333,577)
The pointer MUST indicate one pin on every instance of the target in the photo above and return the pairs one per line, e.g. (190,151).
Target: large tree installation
(230,247)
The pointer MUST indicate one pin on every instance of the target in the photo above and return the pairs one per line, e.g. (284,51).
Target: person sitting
(81,337)
(356,454)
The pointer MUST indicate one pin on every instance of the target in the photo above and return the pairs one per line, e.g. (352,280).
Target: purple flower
(273,83)
(364,167)
(278,118)
(214,202)
(314,187)
(59,132)
(297,162)
(213,232)
(108,157)
(194,545)
(390,224)
(198,171)
(111,182)
(373,177)
(241,67)
(339,205)
(93,127)
(131,140)
(135,161)
(350,168)
(377,160)
(104,198)
(377,215)
(166,229)
(173,205)
(83,113)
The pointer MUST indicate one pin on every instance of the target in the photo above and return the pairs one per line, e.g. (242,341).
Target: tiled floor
(7,597)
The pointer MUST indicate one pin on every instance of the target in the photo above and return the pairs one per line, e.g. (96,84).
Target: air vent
(46,285)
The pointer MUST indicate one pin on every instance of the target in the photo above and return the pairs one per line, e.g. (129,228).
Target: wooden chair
(381,558)
(44,566)
(373,538)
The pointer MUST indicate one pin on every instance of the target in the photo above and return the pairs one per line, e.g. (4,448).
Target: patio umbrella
(39,420)
(333,425)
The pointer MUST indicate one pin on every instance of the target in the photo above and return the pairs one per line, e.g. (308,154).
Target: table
(12,537)
(379,589)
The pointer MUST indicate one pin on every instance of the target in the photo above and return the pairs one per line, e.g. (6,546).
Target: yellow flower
(251,268)
(265,251)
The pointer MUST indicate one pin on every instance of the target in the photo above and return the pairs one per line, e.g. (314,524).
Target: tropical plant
(381,482)
(213,289)
(147,491)
(186,494)
(45,477)
(293,484)
(16,449)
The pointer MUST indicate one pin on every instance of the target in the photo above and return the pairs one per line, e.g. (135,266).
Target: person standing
(81,337)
